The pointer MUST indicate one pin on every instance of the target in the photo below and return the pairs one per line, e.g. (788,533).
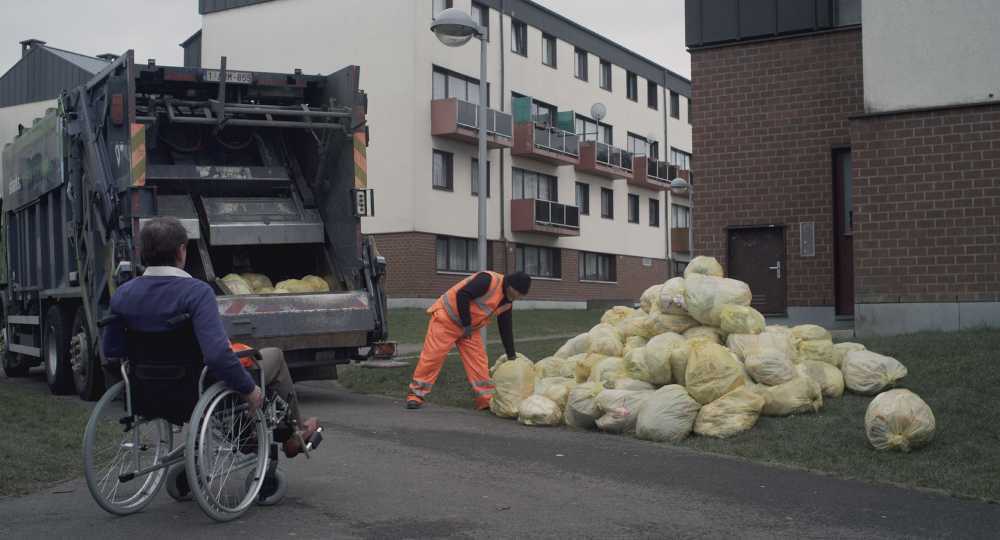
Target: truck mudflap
(299,321)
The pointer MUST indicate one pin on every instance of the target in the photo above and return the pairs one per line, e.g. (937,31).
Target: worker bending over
(456,319)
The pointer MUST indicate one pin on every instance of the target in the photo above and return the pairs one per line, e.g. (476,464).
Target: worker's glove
(466,332)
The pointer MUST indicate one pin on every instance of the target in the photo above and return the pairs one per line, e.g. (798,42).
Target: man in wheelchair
(165,294)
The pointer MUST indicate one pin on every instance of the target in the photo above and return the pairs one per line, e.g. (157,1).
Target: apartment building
(578,200)
(848,158)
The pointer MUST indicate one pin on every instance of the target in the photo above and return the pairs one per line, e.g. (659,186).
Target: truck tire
(55,351)
(88,377)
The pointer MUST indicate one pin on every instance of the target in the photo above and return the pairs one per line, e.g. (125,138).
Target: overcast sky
(154,28)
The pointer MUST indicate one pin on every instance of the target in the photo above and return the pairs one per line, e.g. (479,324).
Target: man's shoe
(412,404)
(297,442)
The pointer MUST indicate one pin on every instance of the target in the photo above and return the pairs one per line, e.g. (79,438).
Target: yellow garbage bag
(581,407)
(819,350)
(678,324)
(555,388)
(743,345)
(633,343)
(667,415)
(711,334)
(257,282)
(607,371)
(829,378)
(770,367)
(317,283)
(899,420)
(576,345)
(650,298)
(626,383)
(515,381)
(620,408)
(702,265)
(237,285)
(551,366)
(296,286)
(807,332)
(606,340)
(799,395)
(732,413)
(866,372)
(642,326)
(705,296)
(585,365)
(678,362)
(617,314)
(539,410)
(672,297)
(712,372)
(840,351)
(741,320)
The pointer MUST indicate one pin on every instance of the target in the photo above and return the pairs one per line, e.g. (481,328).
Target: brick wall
(927,206)
(766,116)
(412,272)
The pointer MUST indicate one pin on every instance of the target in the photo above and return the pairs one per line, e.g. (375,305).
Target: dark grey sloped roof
(43,73)
(89,63)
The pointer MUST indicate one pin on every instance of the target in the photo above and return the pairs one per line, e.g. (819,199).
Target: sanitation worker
(456,319)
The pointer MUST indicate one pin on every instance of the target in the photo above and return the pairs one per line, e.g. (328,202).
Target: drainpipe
(503,167)
(666,157)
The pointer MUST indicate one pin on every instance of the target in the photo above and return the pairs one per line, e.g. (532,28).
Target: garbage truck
(267,173)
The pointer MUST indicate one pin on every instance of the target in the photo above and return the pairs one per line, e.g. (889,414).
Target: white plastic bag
(829,378)
(650,298)
(672,297)
(770,367)
(899,420)
(575,346)
(702,265)
(705,296)
(667,416)
(581,407)
(741,320)
(617,314)
(607,371)
(869,373)
(620,408)
(539,411)
(840,351)
(555,388)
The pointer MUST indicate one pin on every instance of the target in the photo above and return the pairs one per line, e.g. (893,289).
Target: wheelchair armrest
(247,353)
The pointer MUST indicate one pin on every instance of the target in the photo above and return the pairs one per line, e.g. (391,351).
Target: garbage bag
(555,388)
(633,343)
(770,367)
(296,286)
(620,408)
(899,420)
(576,345)
(702,265)
(732,413)
(651,297)
(799,395)
(652,366)
(317,283)
(741,320)
(515,381)
(829,378)
(551,366)
(712,372)
(678,362)
(667,416)
(237,285)
(585,365)
(819,350)
(712,335)
(568,368)
(660,352)
(678,324)
(257,282)
(581,407)
(617,314)
(626,383)
(672,297)
(539,410)
(705,296)
(642,326)
(265,290)
(607,340)
(807,332)
(743,345)
(840,351)
(869,373)
(607,371)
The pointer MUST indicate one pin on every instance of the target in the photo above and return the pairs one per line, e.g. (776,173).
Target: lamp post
(455,28)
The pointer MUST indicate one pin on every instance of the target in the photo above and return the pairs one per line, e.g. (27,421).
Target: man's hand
(255,400)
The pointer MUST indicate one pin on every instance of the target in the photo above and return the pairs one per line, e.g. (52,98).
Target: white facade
(927,53)
(25,115)
(397,52)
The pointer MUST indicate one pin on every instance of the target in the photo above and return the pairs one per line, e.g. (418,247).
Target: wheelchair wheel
(115,453)
(226,454)
(177,483)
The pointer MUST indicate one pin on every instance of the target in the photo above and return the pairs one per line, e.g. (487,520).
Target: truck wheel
(88,377)
(55,352)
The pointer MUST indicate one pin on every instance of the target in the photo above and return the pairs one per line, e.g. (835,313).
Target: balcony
(544,217)
(680,240)
(546,143)
(651,174)
(459,120)
(604,160)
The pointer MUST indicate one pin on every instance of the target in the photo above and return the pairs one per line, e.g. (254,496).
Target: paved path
(385,472)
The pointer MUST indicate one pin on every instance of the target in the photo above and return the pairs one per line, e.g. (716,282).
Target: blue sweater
(145,304)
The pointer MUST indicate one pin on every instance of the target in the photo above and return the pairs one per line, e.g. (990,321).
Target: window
(605,134)
(448,84)
(597,267)
(481,14)
(606,75)
(654,150)
(538,261)
(443,171)
(678,267)
(475,178)
(439,6)
(675,104)
(654,213)
(519,38)
(459,254)
(651,95)
(581,65)
(541,112)
(689,110)
(637,145)
(681,217)
(633,208)
(548,50)
(533,185)
(607,203)
(583,198)
(680,158)
(589,130)
(631,86)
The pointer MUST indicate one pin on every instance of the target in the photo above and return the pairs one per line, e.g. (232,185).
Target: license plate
(237,77)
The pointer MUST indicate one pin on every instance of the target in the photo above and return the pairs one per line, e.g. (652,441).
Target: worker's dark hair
(519,281)
(159,240)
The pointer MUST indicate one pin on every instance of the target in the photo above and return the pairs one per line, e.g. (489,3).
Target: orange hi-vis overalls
(445,331)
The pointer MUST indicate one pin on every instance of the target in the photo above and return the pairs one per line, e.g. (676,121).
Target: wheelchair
(229,458)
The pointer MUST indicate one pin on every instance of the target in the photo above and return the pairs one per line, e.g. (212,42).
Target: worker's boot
(413,404)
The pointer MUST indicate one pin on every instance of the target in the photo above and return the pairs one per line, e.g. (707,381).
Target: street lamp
(455,28)
(679,185)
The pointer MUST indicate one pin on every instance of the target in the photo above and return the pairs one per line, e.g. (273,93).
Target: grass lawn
(42,438)
(957,374)
(410,325)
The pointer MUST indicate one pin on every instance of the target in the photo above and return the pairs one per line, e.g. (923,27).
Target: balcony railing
(556,214)
(497,123)
(544,217)
(613,156)
(660,170)
(557,140)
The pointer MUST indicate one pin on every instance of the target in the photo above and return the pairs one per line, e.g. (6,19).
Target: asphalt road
(385,472)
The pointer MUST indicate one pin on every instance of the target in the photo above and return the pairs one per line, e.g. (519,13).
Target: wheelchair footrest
(315,440)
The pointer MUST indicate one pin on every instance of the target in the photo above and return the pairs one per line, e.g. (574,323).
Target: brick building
(849,158)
